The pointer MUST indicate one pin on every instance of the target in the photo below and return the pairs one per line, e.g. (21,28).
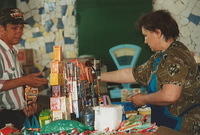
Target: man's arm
(32,80)
(119,76)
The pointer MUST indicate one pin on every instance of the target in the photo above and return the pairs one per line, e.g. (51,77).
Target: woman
(170,75)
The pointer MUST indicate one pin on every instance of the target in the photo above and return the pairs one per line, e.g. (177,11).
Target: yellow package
(56,79)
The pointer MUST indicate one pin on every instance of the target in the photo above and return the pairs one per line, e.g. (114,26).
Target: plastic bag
(64,125)
(31,122)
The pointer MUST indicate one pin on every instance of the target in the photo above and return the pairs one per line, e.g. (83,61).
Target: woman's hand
(137,99)
(169,94)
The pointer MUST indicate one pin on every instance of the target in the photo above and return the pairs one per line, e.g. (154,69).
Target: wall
(187,14)
(103,24)
(50,22)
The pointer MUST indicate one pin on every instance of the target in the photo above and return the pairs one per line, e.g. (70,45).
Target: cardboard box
(57,91)
(55,104)
(57,53)
(57,115)
(57,66)
(56,79)
(25,57)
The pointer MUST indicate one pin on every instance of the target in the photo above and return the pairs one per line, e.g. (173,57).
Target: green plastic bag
(64,125)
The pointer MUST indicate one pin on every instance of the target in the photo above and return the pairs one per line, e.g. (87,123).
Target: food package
(44,117)
(31,94)
(57,66)
(56,79)
(25,57)
(57,53)
(125,93)
(57,91)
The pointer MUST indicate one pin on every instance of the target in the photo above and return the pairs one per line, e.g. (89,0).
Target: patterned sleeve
(142,73)
(172,70)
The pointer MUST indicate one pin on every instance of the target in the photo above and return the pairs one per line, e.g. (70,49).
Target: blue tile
(37,34)
(60,24)
(25,1)
(68,40)
(30,21)
(194,19)
(41,10)
(52,6)
(48,25)
(49,47)
(22,42)
(63,10)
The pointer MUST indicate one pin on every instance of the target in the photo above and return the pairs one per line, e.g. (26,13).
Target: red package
(8,130)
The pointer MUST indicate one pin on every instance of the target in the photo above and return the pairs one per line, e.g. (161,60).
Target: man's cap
(11,16)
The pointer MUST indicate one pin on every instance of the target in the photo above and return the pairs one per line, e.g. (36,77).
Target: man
(13,107)
(170,75)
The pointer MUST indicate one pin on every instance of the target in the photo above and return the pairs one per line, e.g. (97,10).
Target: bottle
(88,115)
(94,96)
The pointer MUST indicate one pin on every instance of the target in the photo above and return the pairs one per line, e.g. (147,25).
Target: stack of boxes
(25,57)
(73,84)
(58,102)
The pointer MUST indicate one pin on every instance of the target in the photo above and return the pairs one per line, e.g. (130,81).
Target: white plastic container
(108,117)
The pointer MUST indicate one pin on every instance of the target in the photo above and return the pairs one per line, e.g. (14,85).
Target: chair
(124,56)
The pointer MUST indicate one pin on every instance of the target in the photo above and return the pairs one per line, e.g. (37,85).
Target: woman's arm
(119,76)
(169,94)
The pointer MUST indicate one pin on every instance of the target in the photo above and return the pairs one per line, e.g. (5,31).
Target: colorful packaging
(57,91)
(146,112)
(57,53)
(56,79)
(55,104)
(57,66)
(44,118)
(31,94)
(125,93)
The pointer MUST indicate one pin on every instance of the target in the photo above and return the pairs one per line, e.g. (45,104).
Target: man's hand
(34,80)
(30,109)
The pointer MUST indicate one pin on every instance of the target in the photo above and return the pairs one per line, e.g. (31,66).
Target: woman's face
(152,39)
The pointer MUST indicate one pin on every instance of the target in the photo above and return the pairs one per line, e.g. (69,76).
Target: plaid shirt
(12,99)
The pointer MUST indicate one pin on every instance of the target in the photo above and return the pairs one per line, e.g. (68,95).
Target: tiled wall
(52,22)
(187,14)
